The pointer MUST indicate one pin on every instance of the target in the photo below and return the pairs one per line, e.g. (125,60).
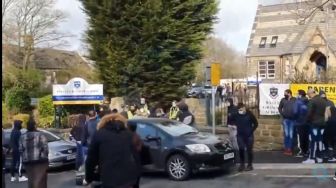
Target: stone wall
(269,135)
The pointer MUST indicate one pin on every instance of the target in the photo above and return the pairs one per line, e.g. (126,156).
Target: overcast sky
(235,20)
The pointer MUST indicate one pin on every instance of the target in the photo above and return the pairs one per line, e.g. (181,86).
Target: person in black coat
(246,124)
(232,111)
(113,150)
(16,166)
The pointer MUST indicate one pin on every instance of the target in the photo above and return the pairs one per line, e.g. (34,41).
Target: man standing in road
(246,124)
(316,120)
(287,110)
(16,154)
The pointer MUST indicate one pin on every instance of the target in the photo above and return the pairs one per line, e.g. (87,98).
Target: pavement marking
(299,176)
(234,175)
(293,166)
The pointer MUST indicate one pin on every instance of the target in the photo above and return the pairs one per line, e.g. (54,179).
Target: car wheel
(178,168)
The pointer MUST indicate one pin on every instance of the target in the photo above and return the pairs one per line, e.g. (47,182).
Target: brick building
(282,46)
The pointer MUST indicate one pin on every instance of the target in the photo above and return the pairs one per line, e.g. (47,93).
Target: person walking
(316,120)
(90,128)
(16,167)
(302,128)
(287,110)
(114,152)
(76,133)
(34,147)
(232,112)
(246,124)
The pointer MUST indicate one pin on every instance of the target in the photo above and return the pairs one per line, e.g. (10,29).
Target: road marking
(234,175)
(299,176)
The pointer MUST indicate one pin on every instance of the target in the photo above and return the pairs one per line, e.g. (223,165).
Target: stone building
(284,47)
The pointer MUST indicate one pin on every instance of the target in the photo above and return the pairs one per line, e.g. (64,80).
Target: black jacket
(246,124)
(316,111)
(232,111)
(185,116)
(113,151)
(286,108)
(15,137)
(89,129)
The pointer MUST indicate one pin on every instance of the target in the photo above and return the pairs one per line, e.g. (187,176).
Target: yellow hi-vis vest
(130,115)
(173,112)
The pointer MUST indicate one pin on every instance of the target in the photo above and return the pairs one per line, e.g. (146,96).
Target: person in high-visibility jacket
(131,112)
(174,111)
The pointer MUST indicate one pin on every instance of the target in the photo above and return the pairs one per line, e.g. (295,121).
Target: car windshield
(175,128)
(51,137)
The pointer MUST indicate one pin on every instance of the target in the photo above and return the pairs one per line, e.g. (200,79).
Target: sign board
(270,97)
(215,74)
(329,89)
(77,91)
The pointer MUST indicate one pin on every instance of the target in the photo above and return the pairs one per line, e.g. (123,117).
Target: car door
(151,151)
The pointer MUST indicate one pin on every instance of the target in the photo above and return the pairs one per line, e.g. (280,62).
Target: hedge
(45,107)
(17,100)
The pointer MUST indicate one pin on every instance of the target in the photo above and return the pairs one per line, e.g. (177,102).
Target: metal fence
(248,97)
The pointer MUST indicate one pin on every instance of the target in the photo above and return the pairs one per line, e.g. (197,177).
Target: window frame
(264,69)
(263,42)
(274,41)
(147,125)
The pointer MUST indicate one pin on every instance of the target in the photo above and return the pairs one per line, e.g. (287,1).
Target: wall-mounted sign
(77,91)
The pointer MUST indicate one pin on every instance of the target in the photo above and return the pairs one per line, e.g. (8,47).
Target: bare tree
(216,50)
(33,23)
(6,5)
(305,9)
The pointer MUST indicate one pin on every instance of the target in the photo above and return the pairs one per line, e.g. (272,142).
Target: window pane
(271,71)
(144,130)
(262,63)
(262,71)
(270,66)
(271,63)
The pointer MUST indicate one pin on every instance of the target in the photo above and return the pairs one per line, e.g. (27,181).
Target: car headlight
(198,148)
(53,154)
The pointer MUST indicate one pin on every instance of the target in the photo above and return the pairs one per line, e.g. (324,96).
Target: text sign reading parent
(270,97)
(78,91)
(329,89)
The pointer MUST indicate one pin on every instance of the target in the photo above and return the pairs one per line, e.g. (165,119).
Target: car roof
(150,120)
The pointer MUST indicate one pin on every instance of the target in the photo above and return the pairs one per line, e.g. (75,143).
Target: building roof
(47,59)
(281,20)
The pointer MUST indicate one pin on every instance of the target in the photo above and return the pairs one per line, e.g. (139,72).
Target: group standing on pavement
(312,121)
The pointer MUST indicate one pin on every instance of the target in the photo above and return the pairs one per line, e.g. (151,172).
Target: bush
(17,100)
(46,122)
(45,107)
(23,117)
(5,114)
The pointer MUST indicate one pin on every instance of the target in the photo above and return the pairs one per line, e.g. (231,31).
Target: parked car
(61,152)
(195,92)
(179,149)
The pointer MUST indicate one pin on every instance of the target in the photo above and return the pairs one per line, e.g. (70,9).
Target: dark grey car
(61,152)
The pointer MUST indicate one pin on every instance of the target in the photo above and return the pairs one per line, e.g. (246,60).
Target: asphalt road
(256,178)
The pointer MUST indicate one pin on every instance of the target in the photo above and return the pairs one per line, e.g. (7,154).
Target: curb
(291,166)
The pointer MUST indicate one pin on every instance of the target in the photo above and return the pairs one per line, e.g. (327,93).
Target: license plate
(228,156)
(70,157)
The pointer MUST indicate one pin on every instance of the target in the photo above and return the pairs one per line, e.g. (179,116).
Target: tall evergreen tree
(148,47)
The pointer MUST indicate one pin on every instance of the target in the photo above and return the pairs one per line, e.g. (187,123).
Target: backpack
(290,109)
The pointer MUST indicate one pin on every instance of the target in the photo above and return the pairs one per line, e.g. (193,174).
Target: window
(267,69)
(274,41)
(263,42)
(144,130)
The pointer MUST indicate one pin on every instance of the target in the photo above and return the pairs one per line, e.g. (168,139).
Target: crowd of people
(107,141)
(309,125)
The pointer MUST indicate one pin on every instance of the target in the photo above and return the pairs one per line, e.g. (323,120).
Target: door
(151,151)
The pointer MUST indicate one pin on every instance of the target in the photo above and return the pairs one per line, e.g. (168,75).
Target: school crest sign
(77,91)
